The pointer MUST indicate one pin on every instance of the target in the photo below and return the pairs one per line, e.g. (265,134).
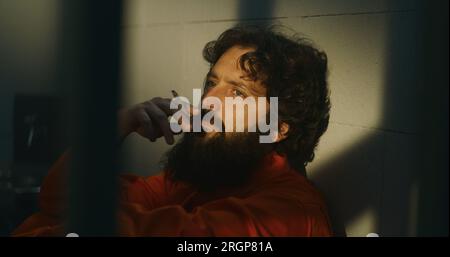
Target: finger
(146,123)
(159,117)
(164,105)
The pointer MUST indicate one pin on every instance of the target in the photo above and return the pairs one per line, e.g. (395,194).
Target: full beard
(221,161)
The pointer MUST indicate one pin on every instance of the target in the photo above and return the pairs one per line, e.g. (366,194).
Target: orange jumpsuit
(277,201)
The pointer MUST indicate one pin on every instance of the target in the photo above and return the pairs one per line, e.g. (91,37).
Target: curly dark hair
(293,70)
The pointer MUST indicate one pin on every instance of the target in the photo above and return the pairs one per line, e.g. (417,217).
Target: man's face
(216,159)
(227,79)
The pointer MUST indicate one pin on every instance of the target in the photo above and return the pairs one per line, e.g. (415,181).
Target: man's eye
(209,84)
(237,92)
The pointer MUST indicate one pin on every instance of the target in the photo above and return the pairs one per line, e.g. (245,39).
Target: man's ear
(282,132)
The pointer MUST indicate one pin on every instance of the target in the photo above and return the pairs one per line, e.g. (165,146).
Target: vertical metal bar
(90,71)
(434,173)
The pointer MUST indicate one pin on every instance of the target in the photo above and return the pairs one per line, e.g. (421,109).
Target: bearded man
(224,183)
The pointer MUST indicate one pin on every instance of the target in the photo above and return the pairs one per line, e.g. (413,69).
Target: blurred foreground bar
(434,176)
(89,72)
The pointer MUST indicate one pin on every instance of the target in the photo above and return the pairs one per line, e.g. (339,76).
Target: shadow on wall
(343,178)
(413,199)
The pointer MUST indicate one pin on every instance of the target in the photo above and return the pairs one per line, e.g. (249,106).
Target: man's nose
(211,92)
(219,91)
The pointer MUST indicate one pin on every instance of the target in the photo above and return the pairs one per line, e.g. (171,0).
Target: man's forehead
(228,67)
(230,58)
